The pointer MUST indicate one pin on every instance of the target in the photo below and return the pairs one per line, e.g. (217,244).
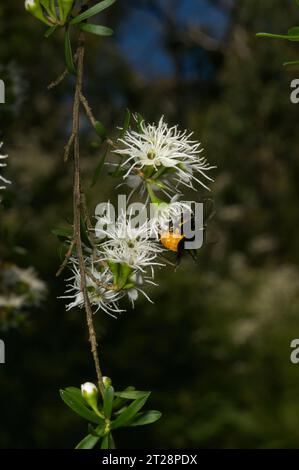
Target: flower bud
(90,393)
(65,7)
(34,7)
(107,381)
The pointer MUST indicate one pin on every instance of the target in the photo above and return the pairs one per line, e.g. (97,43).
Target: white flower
(100,291)
(29,277)
(5,181)
(138,280)
(166,216)
(164,155)
(129,245)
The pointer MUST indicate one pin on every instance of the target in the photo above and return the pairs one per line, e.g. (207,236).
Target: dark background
(215,346)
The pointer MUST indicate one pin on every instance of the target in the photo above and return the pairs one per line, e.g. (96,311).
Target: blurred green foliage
(215,346)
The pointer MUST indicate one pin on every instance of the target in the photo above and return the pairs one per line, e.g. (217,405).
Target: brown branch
(66,258)
(58,80)
(77,211)
(68,147)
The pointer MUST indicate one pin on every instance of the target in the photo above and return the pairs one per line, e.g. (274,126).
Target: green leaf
(108,401)
(72,400)
(131,394)
(148,417)
(111,442)
(96,29)
(88,442)
(278,36)
(63,232)
(139,119)
(69,54)
(50,31)
(100,129)
(99,168)
(91,439)
(129,413)
(294,31)
(118,401)
(292,62)
(105,442)
(126,123)
(97,432)
(92,11)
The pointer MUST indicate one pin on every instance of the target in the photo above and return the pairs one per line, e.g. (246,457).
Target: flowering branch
(116,259)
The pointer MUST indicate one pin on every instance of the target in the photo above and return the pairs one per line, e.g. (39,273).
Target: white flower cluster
(155,159)
(2,179)
(123,262)
(20,289)
(164,157)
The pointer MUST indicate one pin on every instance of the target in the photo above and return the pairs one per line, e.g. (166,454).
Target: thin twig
(68,147)
(92,119)
(58,80)
(77,211)
(66,258)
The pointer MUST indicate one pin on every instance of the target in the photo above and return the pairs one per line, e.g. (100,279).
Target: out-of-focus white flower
(13,301)
(29,277)
(165,155)
(100,292)
(130,246)
(5,181)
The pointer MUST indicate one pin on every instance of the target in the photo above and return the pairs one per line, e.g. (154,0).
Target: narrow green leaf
(139,120)
(129,413)
(50,31)
(97,432)
(63,232)
(91,440)
(92,11)
(118,401)
(292,62)
(73,402)
(69,53)
(278,36)
(99,169)
(131,394)
(105,442)
(111,442)
(100,129)
(126,123)
(108,401)
(294,31)
(97,29)
(148,417)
